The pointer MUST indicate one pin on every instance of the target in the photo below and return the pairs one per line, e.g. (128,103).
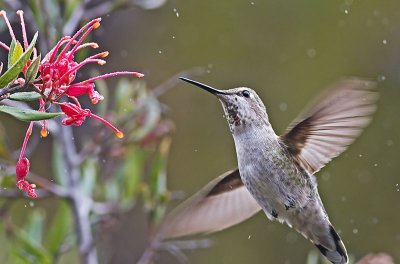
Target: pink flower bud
(22,168)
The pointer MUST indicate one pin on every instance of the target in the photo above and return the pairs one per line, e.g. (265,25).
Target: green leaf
(28,249)
(10,53)
(32,70)
(59,228)
(88,180)
(25,96)
(34,226)
(18,51)
(16,68)
(59,169)
(27,114)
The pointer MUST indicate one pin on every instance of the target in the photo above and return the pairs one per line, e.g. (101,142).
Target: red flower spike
(57,71)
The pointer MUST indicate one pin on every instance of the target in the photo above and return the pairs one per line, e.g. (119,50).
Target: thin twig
(81,205)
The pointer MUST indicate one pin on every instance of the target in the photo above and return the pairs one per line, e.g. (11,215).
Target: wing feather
(222,203)
(334,122)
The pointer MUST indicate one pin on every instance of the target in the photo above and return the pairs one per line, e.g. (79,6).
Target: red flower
(57,71)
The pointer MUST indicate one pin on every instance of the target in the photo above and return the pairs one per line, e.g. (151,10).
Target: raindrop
(360,155)
(283,106)
(346,11)
(252,3)
(381,78)
(159,52)
(384,42)
(176,12)
(249,237)
(375,220)
(31,204)
(385,21)
(311,52)
(291,237)
(123,53)
(389,142)
(376,165)
(173,37)
(355,231)
(343,198)
(326,176)
(377,13)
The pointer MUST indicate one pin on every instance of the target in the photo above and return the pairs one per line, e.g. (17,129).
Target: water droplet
(375,220)
(283,106)
(31,204)
(377,13)
(389,142)
(123,53)
(252,3)
(173,37)
(346,11)
(311,52)
(291,237)
(176,12)
(381,78)
(376,165)
(384,42)
(385,21)
(355,231)
(360,155)
(249,237)
(326,176)
(159,52)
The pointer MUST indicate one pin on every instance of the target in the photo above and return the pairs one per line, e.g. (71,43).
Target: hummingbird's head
(242,106)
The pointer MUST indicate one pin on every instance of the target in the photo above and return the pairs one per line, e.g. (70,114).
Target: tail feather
(339,254)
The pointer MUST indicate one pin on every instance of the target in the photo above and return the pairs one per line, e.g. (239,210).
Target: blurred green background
(287,51)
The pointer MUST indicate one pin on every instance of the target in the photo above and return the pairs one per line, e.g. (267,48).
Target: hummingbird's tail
(337,254)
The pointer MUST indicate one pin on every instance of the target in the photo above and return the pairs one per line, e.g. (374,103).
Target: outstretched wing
(222,203)
(326,129)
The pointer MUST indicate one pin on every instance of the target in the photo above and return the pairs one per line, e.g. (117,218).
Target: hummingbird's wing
(329,126)
(222,203)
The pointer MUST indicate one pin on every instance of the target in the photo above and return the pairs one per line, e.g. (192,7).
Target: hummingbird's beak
(203,86)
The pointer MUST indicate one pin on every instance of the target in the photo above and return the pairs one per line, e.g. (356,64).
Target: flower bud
(22,168)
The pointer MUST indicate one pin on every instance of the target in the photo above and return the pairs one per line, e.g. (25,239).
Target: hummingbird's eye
(246,93)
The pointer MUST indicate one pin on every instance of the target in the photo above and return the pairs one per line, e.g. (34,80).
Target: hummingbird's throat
(232,115)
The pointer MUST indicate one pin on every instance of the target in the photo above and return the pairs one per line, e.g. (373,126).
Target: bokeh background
(288,51)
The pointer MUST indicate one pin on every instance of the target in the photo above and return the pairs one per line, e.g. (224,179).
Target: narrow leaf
(25,96)
(16,68)
(10,53)
(27,114)
(59,229)
(18,51)
(32,70)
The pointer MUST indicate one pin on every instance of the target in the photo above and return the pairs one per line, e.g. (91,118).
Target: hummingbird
(276,173)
